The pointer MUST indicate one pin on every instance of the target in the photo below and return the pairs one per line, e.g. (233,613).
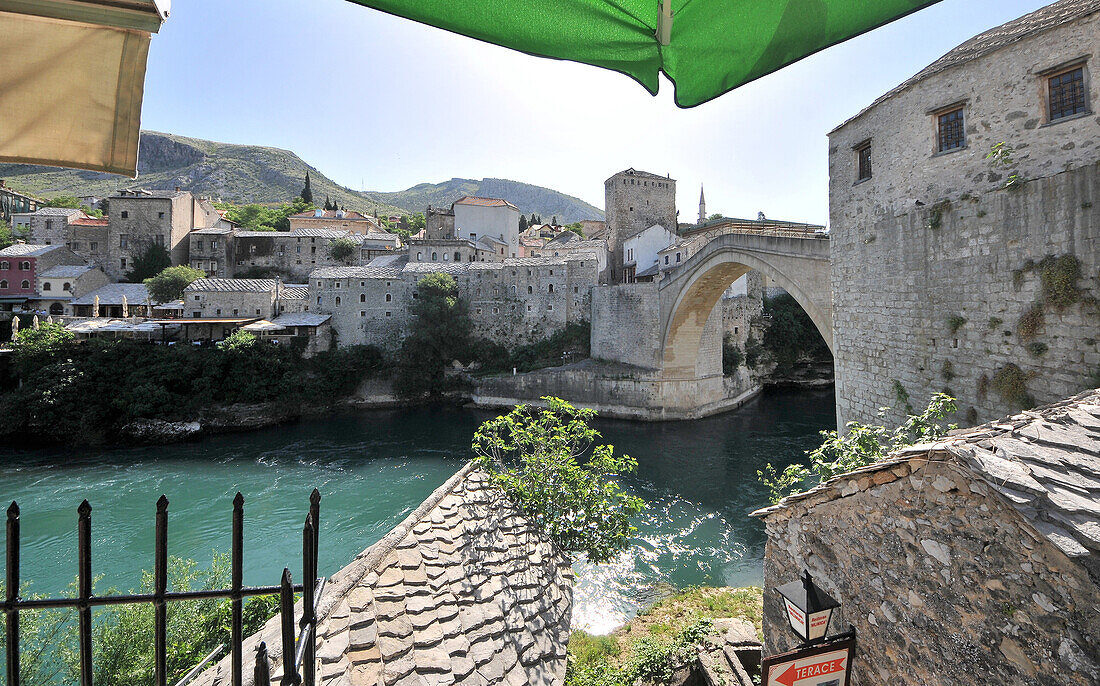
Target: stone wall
(945,300)
(942,580)
(633,202)
(626,322)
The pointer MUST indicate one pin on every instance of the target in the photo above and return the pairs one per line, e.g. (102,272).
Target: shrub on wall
(732,357)
(1010,382)
(1030,323)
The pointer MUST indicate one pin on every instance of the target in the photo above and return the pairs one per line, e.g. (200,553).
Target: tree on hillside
(522,223)
(532,221)
(328,205)
(168,285)
(307,192)
(7,237)
(342,249)
(554,220)
(299,206)
(152,261)
(439,333)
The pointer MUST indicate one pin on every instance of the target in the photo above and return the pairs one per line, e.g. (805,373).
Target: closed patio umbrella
(95,308)
(125,307)
(705,47)
(14,327)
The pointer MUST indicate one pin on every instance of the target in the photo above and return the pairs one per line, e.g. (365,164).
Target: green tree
(534,455)
(791,335)
(439,333)
(416,222)
(714,217)
(342,249)
(66,201)
(576,228)
(238,342)
(532,221)
(34,346)
(7,236)
(522,223)
(554,220)
(168,285)
(307,192)
(152,261)
(328,205)
(861,445)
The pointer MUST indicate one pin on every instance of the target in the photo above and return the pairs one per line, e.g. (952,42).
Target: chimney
(178,189)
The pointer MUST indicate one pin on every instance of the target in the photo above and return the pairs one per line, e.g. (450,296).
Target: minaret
(702,205)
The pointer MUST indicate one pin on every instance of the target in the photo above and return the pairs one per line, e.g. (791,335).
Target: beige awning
(72,80)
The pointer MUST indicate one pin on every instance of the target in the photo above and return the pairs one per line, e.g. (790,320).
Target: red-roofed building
(345,220)
(477,218)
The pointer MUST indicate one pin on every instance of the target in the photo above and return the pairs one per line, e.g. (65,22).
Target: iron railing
(299,647)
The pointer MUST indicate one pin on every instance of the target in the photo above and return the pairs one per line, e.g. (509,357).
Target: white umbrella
(49,319)
(125,307)
(95,311)
(34,322)
(14,327)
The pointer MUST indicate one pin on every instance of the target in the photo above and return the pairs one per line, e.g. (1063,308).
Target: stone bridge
(670,333)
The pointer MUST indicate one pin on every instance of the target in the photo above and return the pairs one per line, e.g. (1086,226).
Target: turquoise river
(373,468)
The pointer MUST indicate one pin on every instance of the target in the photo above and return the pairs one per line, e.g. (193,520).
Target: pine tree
(554,220)
(328,205)
(307,192)
(532,222)
(522,223)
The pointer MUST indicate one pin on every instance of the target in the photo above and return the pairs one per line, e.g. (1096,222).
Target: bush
(1010,382)
(168,285)
(861,445)
(152,261)
(732,357)
(533,456)
(1030,323)
(1058,279)
(342,249)
(439,334)
(791,335)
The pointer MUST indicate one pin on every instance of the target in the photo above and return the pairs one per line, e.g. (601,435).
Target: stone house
(439,223)
(477,218)
(456,250)
(465,590)
(215,298)
(138,219)
(975,559)
(294,298)
(931,233)
(60,284)
(634,201)
(568,242)
(22,263)
(47,226)
(335,220)
(640,253)
(312,330)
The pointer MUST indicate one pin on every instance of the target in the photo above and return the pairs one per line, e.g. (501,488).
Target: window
(458,258)
(362,313)
(496,310)
(549,307)
(5,265)
(235,313)
(160,215)
(1066,93)
(24,266)
(46,286)
(389,298)
(530,290)
(25,284)
(213,245)
(863,161)
(123,240)
(576,289)
(446,257)
(122,262)
(93,246)
(435,256)
(677,257)
(67,287)
(337,300)
(125,214)
(362,297)
(551,290)
(218,312)
(419,256)
(4,284)
(389,314)
(196,315)
(318,300)
(950,131)
(198,245)
(159,239)
(530,308)
(198,297)
(666,259)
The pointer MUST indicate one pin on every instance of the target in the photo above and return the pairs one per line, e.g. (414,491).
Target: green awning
(708,47)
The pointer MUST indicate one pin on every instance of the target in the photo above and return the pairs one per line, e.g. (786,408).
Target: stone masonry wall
(920,308)
(945,583)
(626,322)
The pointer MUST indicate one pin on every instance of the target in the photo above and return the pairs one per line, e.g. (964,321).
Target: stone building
(567,243)
(510,302)
(478,218)
(971,560)
(439,223)
(138,219)
(932,235)
(47,226)
(231,253)
(466,590)
(456,250)
(13,202)
(22,263)
(335,220)
(214,298)
(634,201)
(58,285)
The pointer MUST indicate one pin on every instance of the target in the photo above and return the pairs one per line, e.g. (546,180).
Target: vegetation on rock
(791,336)
(732,357)
(1010,382)
(546,460)
(861,445)
(440,328)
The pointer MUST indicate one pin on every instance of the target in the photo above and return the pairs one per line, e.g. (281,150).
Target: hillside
(251,173)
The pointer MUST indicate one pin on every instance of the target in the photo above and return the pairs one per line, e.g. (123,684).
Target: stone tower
(634,201)
(702,205)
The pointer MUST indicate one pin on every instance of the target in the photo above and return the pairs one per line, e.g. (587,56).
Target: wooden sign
(828,664)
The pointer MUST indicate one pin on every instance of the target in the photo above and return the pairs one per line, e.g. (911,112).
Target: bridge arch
(799,265)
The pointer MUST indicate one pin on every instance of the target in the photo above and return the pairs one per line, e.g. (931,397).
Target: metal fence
(298,646)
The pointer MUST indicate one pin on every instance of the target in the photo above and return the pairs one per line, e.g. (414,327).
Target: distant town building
(113,298)
(215,298)
(22,263)
(593,228)
(633,202)
(488,218)
(60,284)
(640,253)
(13,202)
(138,219)
(336,220)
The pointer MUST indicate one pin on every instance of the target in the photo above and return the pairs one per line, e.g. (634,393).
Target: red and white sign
(819,666)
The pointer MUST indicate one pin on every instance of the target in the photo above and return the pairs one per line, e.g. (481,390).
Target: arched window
(4,284)
(446,257)
(419,257)
(389,297)
(513,290)
(5,265)
(530,290)
(67,287)
(57,308)
(362,297)
(25,284)
(435,256)
(458,257)
(338,300)
(551,288)
(46,286)
(25,266)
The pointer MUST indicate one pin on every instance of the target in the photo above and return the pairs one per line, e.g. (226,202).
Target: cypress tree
(307,192)
(522,222)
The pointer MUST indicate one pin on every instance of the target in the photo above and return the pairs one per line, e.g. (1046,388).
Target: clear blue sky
(382,103)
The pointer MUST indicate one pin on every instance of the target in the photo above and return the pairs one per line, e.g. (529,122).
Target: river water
(373,468)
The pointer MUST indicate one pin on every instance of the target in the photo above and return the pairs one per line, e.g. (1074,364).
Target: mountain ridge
(244,174)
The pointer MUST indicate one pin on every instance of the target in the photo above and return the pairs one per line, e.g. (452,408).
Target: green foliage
(1010,382)
(84,392)
(439,334)
(1037,348)
(902,397)
(732,357)
(122,637)
(754,352)
(935,214)
(715,217)
(307,191)
(573,341)
(70,202)
(1058,278)
(168,285)
(652,659)
(265,217)
(1030,323)
(791,335)
(342,249)
(1000,156)
(861,445)
(152,261)
(34,347)
(576,228)
(240,342)
(534,456)
(587,650)
(955,322)
(7,236)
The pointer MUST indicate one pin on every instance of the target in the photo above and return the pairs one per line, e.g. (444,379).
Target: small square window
(125,214)
(950,130)
(1066,94)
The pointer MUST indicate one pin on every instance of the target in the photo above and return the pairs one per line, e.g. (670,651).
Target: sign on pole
(828,664)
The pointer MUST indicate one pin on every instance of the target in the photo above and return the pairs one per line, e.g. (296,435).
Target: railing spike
(13,510)
(162,503)
(238,500)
